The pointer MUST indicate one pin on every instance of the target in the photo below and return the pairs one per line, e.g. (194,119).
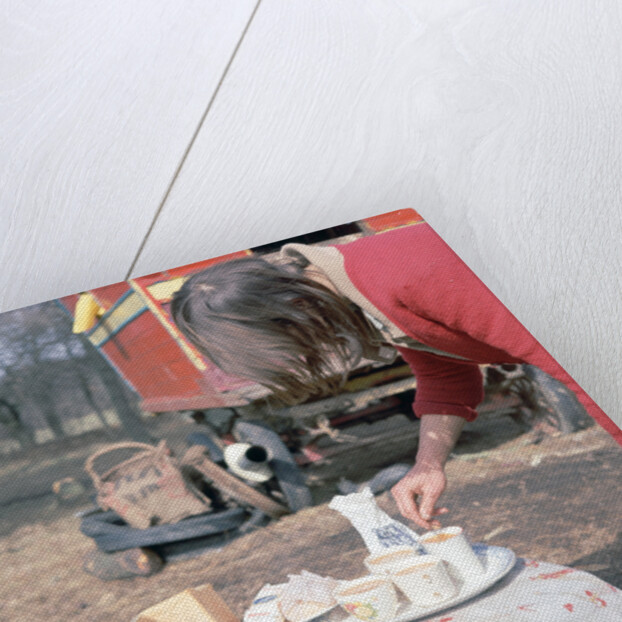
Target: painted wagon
(131,326)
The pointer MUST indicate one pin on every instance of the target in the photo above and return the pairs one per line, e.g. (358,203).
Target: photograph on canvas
(343,425)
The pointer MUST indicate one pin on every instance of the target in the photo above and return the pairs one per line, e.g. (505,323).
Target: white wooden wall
(140,136)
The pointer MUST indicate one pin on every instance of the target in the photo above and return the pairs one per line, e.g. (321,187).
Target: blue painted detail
(119,372)
(109,312)
(62,307)
(121,326)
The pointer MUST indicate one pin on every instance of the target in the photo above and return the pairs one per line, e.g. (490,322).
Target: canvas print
(346,425)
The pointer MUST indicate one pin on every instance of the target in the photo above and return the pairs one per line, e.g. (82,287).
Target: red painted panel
(69,302)
(145,328)
(158,369)
(161,362)
(150,279)
(152,342)
(201,265)
(181,373)
(108,295)
(391,220)
(153,378)
(158,382)
(176,402)
(150,359)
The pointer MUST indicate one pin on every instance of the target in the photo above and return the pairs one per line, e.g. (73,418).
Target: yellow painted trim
(164,290)
(86,313)
(172,330)
(116,318)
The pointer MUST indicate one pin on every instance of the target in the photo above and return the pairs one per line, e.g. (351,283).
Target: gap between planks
(191,143)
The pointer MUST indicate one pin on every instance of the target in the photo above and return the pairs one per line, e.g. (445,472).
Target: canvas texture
(412,402)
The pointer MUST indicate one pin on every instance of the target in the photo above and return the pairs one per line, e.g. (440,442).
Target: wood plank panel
(498,121)
(98,103)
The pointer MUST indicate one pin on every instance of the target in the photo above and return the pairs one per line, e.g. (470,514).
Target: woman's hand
(417,493)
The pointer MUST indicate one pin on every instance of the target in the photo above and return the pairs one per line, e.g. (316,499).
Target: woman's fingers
(428,502)
(420,487)
(428,511)
(434,524)
(405,498)
(408,508)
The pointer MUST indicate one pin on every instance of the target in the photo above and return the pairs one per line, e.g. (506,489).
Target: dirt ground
(558,501)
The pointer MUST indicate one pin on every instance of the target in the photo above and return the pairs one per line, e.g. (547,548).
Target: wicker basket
(147,489)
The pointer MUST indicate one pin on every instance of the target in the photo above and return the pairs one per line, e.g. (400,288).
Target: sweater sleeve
(444,387)
(535,354)
(431,294)
(488,321)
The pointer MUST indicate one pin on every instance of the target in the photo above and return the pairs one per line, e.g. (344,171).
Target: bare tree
(44,366)
(11,420)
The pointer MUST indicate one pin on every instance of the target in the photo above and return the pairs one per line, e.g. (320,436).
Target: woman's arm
(447,395)
(417,493)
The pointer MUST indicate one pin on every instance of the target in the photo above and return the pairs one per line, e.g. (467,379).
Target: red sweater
(425,289)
